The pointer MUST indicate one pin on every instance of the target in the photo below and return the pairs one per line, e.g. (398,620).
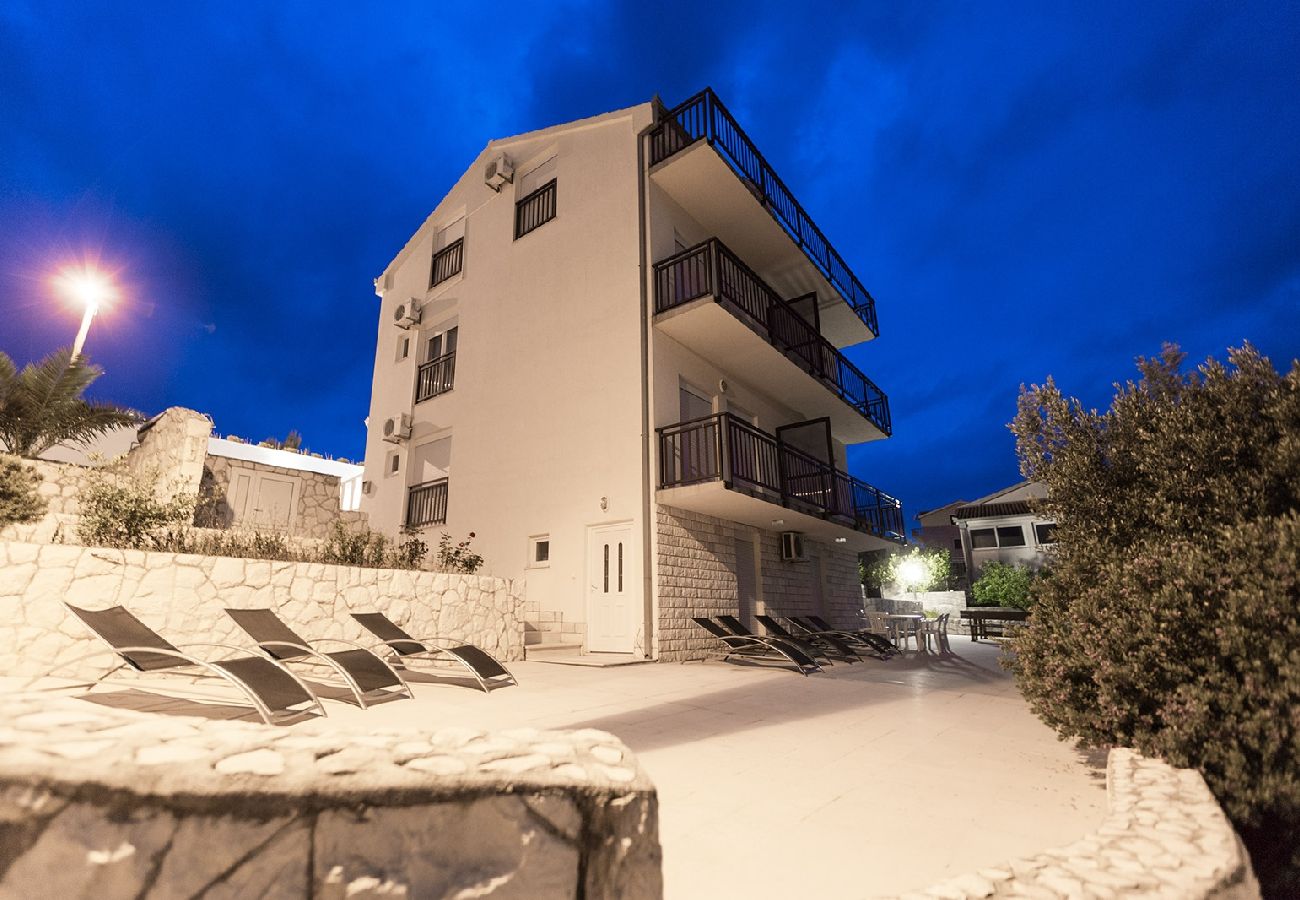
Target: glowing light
(913,571)
(89,288)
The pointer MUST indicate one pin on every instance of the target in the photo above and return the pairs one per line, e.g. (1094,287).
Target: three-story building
(614,353)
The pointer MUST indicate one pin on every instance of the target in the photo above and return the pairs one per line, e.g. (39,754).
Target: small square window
(403,348)
(1011,536)
(394,463)
(539,551)
(1045,532)
(983,538)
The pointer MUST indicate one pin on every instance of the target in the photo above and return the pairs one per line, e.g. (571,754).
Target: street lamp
(89,288)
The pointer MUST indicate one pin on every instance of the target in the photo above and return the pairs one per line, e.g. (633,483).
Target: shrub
(19,501)
(922,569)
(363,547)
(120,509)
(458,558)
(1002,585)
(1168,619)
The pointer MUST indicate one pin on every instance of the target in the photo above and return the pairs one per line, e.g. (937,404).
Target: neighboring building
(1003,527)
(613,353)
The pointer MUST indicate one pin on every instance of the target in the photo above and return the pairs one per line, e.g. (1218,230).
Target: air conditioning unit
(397,429)
(792,547)
(499,171)
(406,314)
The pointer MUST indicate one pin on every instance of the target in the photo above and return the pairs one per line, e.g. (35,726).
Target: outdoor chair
(758,648)
(274,691)
(485,668)
(878,624)
(826,643)
(937,629)
(874,644)
(733,625)
(367,676)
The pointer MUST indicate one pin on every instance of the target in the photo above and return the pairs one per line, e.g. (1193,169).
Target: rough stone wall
(317,506)
(173,446)
(696,576)
(182,596)
(61,486)
(112,803)
(1164,836)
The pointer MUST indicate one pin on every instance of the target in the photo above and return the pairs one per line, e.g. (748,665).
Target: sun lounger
(732,624)
(873,643)
(824,642)
(877,641)
(485,668)
(274,691)
(759,648)
(367,676)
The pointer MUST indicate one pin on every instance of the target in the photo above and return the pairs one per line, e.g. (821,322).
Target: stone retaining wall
(1164,836)
(182,596)
(111,803)
(316,506)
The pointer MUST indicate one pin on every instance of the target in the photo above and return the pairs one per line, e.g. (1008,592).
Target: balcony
(437,376)
(711,302)
(535,210)
(426,504)
(723,466)
(447,262)
(702,159)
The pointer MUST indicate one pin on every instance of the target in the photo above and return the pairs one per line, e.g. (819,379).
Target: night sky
(1026,192)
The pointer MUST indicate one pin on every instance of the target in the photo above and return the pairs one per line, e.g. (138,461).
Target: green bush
(922,569)
(1168,618)
(458,557)
(19,501)
(122,509)
(1002,585)
(363,547)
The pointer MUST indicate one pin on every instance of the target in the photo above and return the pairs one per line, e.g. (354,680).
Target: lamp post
(89,288)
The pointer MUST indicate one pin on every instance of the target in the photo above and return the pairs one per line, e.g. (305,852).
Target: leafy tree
(19,501)
(42,406)
(923,569)
(1002,585)
(1169,619)
(122,509)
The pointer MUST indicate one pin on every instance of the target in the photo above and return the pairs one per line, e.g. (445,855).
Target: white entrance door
(612,613)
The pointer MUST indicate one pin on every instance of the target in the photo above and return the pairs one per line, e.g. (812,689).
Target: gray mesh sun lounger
(879,642)
(732,624)
(825,643)
(760,648)
(365,674)
(485,668)
(273,690)
(874,644)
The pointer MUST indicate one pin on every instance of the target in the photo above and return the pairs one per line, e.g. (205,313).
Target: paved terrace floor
(870,779)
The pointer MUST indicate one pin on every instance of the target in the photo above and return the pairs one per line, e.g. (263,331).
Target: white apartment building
(1003,527)
(612,352)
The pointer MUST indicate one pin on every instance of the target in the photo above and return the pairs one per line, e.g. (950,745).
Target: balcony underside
(700,182)
(708,329)
(713,498)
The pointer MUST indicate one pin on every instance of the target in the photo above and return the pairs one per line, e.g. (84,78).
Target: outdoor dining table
(897,619)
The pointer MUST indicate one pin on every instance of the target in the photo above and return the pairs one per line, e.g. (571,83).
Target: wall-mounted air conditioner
(406,314)
(500,171)
(792,547)
(397,429)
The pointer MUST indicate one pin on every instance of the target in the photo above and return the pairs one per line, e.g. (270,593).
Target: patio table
(897,619)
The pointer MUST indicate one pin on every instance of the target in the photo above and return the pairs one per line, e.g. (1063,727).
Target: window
(1011,536)
(437,374)
(403,348)
(982,538)
(393,463)
(1045,532)
(536,204)
(539,551)
(448,252)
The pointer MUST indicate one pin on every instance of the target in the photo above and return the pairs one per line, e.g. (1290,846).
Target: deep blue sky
(1026,192)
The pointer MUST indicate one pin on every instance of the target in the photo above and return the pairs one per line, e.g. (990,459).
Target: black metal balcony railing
(724,448)
(704,117)
(426,504)
(535,209)
(447,262)
(437,376)
(712,269)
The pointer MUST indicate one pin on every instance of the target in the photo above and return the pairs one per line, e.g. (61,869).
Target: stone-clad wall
(696,576)
(317,507)
(61,486)
(1164,836)
(113,803)
(172,446)
(182,596)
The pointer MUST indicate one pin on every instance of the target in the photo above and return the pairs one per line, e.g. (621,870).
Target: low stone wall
(1164,836)
(60,486)
(182,596)
(112,803)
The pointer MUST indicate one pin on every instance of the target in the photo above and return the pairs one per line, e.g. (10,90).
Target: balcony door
(698,449)
(613,615)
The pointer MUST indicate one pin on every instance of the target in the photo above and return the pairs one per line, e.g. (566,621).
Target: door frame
(631,585)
